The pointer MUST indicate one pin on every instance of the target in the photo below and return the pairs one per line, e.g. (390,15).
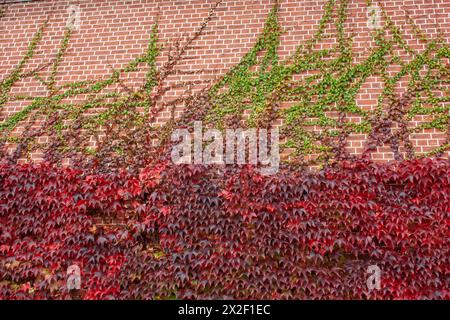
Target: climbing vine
(252,94)
(107,199)
(189,232)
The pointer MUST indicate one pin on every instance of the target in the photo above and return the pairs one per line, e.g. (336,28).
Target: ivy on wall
(250,94)
(188,232)
(176,231)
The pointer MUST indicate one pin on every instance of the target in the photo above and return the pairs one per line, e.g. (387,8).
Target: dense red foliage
(197,232)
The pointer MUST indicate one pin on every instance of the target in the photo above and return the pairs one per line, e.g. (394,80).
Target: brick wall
(113,32)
